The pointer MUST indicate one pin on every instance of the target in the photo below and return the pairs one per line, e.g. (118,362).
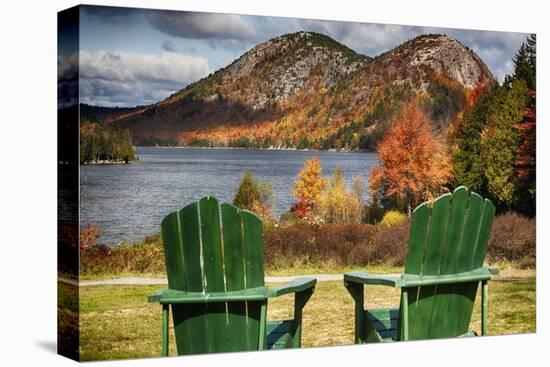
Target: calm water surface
(128,202)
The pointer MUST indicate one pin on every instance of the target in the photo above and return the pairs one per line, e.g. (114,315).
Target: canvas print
(249,183)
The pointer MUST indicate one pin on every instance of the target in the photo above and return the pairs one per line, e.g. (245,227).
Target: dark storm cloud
(113,15)
(126,79)
(67,80)
(201,25)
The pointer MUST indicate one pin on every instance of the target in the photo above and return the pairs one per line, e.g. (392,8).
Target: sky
(132,57)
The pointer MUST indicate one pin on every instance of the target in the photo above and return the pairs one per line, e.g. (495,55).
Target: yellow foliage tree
(340,205)
(310,184)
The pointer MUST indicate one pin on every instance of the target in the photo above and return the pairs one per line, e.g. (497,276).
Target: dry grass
(117,322)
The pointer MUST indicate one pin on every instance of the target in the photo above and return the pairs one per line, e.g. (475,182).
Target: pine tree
(500,143)
(525,62)
(248,192)
(468,168)
(255,196)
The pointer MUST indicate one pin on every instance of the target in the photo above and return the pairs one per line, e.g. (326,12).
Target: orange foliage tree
(89,234)
(414,163)
(308,188)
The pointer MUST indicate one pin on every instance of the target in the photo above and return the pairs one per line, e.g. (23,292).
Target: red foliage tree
(525,163)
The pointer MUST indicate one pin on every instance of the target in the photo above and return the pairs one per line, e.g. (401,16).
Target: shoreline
(274,149)
(106,163)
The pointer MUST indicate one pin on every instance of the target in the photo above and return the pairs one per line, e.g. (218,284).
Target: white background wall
(28,180)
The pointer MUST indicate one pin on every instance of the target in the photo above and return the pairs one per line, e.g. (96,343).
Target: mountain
(306,90)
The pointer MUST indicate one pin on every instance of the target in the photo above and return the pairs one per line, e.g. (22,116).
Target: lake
(129,201)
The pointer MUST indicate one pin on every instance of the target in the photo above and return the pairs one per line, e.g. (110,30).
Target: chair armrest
(362,277)
(476,275)
(296,286)
(171,296)
(413,280)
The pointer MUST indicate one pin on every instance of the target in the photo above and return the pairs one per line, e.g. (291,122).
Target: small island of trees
(102,145)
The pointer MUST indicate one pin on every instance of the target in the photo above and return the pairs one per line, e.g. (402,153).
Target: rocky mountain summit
(441,54)
(306,90)
(284,67)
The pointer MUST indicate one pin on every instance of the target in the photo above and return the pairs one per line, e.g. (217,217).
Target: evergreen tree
(255,196)
(248,192)
(468,168)
(525,62)
(98,143)
(500,143)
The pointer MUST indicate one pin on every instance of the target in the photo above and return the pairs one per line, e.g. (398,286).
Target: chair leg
(262,341)
(405,313)
(357,293)
(300,300)
(165,316)
(484,294)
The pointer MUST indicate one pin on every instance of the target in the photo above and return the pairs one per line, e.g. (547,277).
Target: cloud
(366,38)
(201,25)
(169,46)
(67,80)
(127,79)
(113,15)
(235,33)
(496,49)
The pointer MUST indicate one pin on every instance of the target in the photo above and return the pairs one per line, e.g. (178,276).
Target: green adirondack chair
(443,268)
(214,262)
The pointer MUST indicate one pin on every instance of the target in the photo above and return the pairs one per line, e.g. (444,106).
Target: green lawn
(116,321)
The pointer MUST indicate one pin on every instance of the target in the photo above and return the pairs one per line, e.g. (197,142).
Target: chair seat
(278,334)
(384,321)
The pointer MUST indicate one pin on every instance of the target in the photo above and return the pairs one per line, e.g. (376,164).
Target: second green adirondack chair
(443,268)
(215,266)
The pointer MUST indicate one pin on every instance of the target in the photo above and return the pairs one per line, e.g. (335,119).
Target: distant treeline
(90,113)
(100,144)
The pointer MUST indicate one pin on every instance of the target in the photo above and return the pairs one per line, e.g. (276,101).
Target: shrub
(336,245)
(325,245)
(392,217)
(329,245)
(373,212)
(390,244)
(513,239)
(139,257)
(89,234)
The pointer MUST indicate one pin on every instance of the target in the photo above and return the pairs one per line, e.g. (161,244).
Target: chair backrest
(448,235)
(213,247)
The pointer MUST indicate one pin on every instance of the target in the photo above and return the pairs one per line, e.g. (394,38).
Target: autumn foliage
(309,187)
(525,163)
(414,164)
(89,234)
